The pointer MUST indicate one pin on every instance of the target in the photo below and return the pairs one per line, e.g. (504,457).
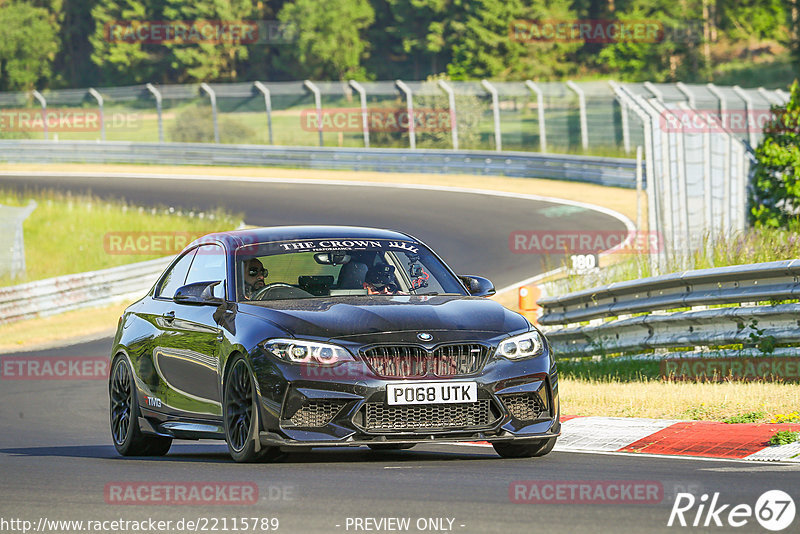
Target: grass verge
(66,233)
(677,400)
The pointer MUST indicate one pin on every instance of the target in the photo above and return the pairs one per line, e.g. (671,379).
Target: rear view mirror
(198,293)
(332,258)
(478,286)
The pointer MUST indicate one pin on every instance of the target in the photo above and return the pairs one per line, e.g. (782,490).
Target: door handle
(169,316)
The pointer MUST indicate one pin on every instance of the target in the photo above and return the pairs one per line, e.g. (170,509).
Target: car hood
(353,317)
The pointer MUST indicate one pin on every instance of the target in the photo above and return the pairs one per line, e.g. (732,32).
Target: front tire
(240,414)
(124,416)
(524,450)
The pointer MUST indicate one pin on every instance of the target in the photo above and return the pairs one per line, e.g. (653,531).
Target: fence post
(38,96)
(97,96)
(157,94)
(654,211)
(772,97)
(748,109)
(311,86)
(498,141)
(412,137)
(723,104)
(683,88)
(582,110)
(540,107)
(451,99)
(362,93)
(655,91)
(213,96)
(268,106)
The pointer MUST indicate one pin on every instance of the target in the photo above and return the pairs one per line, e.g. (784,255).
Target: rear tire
(124,416)
(524,450)
(240,414)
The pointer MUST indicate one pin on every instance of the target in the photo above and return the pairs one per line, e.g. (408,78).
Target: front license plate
(432,393)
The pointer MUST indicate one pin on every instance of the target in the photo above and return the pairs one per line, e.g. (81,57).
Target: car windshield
(332,267)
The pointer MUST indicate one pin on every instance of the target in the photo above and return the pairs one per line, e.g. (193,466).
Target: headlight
(521,346)
(300,351)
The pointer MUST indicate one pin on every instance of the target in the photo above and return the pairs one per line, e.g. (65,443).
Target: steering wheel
(293,291)
(258,295)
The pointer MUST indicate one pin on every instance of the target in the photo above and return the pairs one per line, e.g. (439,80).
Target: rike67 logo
(774,510)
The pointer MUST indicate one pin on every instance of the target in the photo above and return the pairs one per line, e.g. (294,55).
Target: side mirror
(198,293)
(478,286)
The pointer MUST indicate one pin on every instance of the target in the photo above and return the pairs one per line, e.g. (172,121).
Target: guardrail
(82,290)
(618,172)
(697,311)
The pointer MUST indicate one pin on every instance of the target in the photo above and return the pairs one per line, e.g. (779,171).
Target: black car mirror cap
(478,286)
(200,293)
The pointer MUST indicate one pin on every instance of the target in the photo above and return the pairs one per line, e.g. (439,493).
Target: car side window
(209,266)
(175,277)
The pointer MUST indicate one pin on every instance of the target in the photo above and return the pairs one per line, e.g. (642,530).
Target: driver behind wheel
(380,280)
(254,275)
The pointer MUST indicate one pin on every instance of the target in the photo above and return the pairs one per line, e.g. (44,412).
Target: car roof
(237,238)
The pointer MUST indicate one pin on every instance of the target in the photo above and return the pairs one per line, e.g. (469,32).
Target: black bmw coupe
(317,336)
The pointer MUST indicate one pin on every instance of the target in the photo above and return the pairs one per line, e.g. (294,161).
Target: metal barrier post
(723,104)
(268,106)
(412,137)
(655,90)
(157,94)
(498,142)
(540,108)
(683,88)
(97,96)
(626,133)
(772,97)
(213,96)
(451,99)
(654,210)
(582,110)
(38,96)
(748,109)
(639,187)
(362,93)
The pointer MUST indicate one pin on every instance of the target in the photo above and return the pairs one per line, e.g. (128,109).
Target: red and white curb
(673,437)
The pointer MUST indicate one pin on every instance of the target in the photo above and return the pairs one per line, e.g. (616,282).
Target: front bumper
(517,401)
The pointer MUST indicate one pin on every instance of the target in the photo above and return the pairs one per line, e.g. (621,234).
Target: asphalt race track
(57,461)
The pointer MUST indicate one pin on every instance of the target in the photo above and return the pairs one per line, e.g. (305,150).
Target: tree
(775,191)
(28,45)
(328,38)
